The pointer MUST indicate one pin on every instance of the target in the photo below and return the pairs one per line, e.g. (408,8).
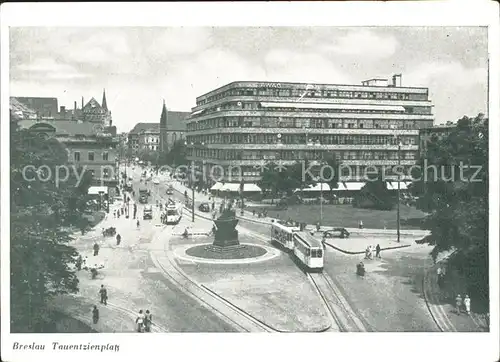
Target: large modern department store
(242,125)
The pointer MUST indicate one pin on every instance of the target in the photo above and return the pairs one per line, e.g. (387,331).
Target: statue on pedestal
(226,233)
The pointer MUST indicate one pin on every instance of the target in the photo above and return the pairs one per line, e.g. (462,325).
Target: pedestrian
(118,239)
(96,249)
(253,212)
(138,224)
(104,295)
(440,277)
(95,315)
(318,226)
(377,250)
(360,224)
(114,214)
(78,263)
(148,321)
(458,303)
(139,321)
(467,304)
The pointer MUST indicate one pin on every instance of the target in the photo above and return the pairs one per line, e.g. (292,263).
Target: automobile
(341,233)
(170,190)
(204,207)
(148,212)
(156,181)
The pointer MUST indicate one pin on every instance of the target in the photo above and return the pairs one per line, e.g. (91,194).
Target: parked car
(204,207)
(341,233)
(156,181)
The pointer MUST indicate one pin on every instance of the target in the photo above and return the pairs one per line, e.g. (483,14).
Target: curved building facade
(243,125)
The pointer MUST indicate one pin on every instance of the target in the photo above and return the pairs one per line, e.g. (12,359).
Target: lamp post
(399,186)
(192,184)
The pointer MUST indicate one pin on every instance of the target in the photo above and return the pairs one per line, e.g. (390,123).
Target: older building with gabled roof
(158,136)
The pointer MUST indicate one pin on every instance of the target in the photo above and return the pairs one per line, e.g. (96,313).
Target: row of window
(299,155)
(351,171)
(266,138)
(90,156)
(306,92)
(238,106)
(294,122)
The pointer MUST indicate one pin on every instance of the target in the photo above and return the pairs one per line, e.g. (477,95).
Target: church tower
(104,104)
(163,129)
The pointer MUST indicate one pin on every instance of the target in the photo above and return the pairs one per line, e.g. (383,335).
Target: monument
(226,234)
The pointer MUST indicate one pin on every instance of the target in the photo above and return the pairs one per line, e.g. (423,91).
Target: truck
(143,196)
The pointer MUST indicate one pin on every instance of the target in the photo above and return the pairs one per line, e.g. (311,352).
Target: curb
(362,252)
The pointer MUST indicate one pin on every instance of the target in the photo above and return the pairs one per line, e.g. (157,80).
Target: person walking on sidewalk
(118,239)
(440,277)
(148,321)
(96,249)
(139,321)
(138,224)
(104,295)
(377,251)
(458,303)
(95,315)
(467,304)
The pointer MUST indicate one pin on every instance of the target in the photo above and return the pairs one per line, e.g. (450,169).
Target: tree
(176,155)
(298,178)
(331,172)
(455,194)
(40,214)
(374,194)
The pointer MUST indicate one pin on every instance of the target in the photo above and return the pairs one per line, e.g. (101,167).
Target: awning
(216,187)
(316,187)
(360,107)
(393,185)
(95,190)
(197,112)
(251,188)
(341,187)
(236,188)
(354,186)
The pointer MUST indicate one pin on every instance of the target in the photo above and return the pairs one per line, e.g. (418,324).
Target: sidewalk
(440,303)
(120,274)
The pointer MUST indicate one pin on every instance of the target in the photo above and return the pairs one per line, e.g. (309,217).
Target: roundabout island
(226,247)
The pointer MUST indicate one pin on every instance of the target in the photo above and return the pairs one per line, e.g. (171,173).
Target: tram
(308,250)
(282,233)
(173,213)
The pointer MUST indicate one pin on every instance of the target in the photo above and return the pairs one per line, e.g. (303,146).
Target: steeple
(104,104)
(163,117)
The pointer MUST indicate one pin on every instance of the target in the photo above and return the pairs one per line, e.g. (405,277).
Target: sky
(140,67)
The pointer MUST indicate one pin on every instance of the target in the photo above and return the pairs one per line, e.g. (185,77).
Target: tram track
(337,306)
(227,311)
(341,314)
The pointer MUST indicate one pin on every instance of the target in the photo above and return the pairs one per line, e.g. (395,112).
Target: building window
(77,156)
(105,156)
(91,156)
(105,172)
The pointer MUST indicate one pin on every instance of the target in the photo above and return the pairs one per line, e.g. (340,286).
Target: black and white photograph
(199,176)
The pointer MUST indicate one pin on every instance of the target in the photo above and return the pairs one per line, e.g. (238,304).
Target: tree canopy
(453,187)
(41,212)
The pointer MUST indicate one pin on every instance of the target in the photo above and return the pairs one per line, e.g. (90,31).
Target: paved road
(134,283)
(390,298)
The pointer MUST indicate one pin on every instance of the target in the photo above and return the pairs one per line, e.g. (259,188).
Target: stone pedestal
(226,234)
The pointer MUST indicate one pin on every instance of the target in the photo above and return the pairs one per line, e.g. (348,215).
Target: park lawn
(345,215)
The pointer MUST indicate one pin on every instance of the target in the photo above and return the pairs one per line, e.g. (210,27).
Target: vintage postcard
(309,169)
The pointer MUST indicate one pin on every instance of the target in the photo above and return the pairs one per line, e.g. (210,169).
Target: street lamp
(396,137)
(192,185)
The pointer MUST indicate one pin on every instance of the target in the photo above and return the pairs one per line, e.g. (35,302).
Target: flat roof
(243,82)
